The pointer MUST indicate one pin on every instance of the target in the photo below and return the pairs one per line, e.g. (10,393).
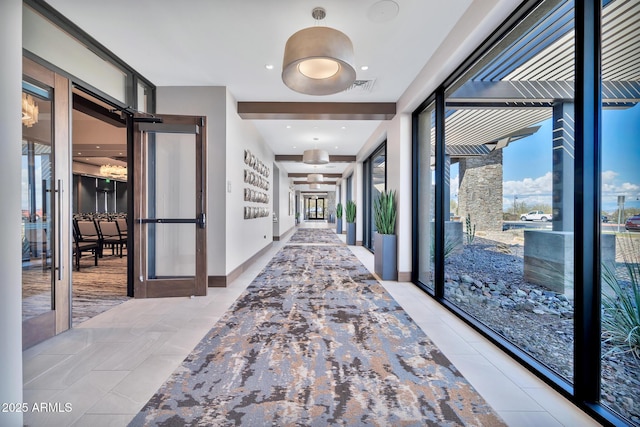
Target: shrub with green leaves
(621,303)
(339,209)
(351,211)
(384,208)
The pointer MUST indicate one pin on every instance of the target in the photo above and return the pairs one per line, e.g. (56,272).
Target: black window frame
(585,391)
(367,187)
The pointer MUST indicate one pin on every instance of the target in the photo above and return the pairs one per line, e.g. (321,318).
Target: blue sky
(528,164)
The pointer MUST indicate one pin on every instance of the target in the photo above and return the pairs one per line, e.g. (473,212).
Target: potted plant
(297,218)
(339,210)
(351,222)
(385,240)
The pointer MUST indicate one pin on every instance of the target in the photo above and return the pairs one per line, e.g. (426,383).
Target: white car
(536,216)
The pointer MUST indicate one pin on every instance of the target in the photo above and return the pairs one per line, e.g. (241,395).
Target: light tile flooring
(109,366)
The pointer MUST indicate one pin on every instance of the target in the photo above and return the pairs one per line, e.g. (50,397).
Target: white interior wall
(10,217)
(399,167)
(281,202)
(458,46)
(209,102)
(244,237)
(231,239)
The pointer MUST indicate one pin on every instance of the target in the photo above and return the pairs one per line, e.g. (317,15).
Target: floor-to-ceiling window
(424,215)
(516,239)
(375,179)
(620,200)
(509,131)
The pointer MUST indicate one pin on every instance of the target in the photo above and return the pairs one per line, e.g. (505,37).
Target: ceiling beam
(321,183)
(304,175)
(298,158)
(317,110)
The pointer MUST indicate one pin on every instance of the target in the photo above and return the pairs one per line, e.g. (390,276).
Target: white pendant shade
(315,177)
(318,61)
(314,186)
(315,157)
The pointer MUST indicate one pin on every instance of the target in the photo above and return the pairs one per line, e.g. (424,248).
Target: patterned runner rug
(315,235)
(315,340)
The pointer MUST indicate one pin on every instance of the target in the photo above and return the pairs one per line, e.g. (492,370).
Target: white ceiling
(229,42)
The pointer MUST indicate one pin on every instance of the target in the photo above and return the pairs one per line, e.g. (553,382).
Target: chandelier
(318,60)
(29,110)
(113,171)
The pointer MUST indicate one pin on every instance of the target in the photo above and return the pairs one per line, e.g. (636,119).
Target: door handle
(202,220)
(58,255)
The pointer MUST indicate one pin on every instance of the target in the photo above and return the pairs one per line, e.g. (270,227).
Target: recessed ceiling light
(295,146)
(343,127)
(336,147)
(364,67)
(79,154)
(97,146)
(269,66)
(120,154)
(288,126)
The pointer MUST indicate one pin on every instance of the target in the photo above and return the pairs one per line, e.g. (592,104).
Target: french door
(169,227)
(315,208)
(45,193)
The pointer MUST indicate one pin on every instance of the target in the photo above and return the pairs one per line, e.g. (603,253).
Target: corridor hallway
(108,367)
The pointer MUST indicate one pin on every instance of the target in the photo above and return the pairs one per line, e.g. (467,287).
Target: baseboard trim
(358,242)
(284,235)
(223,281)
(404,276)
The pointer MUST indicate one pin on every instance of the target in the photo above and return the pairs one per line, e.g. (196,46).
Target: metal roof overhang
(514,87)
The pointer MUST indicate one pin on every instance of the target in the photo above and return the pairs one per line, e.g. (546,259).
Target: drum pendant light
(315,157)
(318,60)
(315,177)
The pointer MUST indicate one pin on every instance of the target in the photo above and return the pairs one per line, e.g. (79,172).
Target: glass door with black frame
(169,208)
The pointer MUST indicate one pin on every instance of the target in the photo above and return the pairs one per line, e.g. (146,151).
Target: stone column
(480,192)
(563,166)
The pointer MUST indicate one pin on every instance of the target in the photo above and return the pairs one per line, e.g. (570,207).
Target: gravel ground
(486,280)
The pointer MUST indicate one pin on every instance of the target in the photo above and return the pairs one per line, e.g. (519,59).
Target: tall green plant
(471,230)
(621,306)
(384,209)
(351,211)
(339,210)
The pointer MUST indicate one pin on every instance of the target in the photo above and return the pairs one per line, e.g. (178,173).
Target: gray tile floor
(109,366)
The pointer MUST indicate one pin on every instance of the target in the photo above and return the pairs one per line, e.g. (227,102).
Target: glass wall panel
(49,42)
(37,214)
(375,182)
(620,232)
(509,130)
(426,191)
(144,95)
